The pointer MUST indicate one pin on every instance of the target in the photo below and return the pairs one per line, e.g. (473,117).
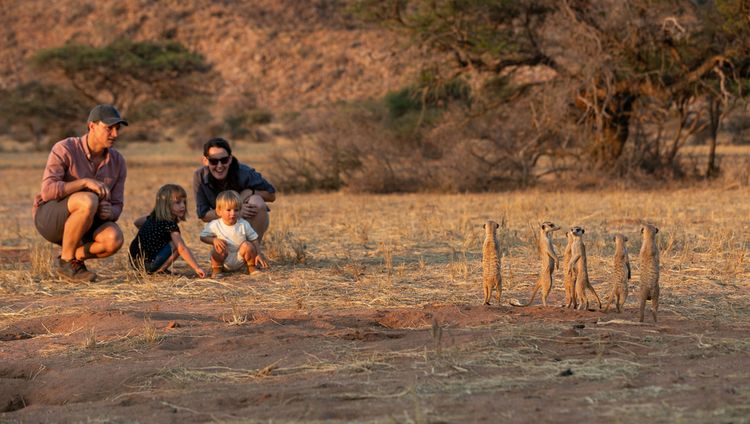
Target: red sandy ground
(379,365)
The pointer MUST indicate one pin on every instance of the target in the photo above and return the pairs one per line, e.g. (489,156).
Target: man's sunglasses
(215,161)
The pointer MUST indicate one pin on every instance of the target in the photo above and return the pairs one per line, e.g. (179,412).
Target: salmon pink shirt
(70,160)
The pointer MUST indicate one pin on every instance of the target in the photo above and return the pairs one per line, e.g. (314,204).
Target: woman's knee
(247,194)
(258,201)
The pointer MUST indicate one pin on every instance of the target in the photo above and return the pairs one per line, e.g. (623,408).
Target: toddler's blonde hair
(228,199)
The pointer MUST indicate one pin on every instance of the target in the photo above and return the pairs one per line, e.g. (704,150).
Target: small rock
(570,333)
(566,373)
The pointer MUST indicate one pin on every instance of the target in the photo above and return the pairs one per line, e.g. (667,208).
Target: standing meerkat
(649,267)
(549,261)
(579,261)
(621,274)
(569,277)
(491,262)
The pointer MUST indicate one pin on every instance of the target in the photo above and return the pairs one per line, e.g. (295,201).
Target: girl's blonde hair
(164,197)
(228,199)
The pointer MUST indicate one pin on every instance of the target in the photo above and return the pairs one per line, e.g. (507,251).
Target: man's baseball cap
(107,114)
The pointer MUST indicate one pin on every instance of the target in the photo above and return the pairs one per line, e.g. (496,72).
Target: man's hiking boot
(74,270)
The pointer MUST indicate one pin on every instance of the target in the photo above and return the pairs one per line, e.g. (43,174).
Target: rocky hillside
(288,53)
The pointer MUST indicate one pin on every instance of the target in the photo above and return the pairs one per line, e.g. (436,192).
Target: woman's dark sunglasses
(215,161)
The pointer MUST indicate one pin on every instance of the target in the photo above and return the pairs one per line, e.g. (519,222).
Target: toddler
(235,242)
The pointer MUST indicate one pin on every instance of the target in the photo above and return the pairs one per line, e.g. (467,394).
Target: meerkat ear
(656,230)
(625,238)
(583,231)
(641,230)
(484,226)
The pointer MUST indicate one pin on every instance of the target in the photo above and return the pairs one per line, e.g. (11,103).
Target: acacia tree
(619,59)
(41,113)
(653,55)
(128,73)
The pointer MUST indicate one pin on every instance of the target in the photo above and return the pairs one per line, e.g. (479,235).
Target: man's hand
(105,210)
(97,187)
(219,245)
(249,210)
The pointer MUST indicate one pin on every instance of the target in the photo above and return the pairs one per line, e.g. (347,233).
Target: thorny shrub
(360,148)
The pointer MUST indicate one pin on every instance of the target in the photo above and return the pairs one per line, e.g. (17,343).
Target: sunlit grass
(342,252)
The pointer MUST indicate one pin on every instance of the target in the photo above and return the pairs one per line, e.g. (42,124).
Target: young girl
(158,241)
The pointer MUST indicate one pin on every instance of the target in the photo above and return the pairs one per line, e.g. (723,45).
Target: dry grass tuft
(283,247)
(90,341)
(237,317)
(150,334)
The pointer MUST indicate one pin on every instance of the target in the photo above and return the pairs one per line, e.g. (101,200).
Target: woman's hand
(201,273)
(249,210)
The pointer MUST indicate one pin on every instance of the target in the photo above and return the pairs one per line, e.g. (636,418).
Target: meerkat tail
(608,302)
(533,295)
(591,288)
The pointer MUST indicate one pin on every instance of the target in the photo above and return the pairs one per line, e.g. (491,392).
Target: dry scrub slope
(289,53)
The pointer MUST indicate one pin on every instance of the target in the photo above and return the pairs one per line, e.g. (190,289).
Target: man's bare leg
(108,240)
(82,207)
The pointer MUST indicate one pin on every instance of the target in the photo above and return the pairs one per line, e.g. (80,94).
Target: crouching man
(82,195)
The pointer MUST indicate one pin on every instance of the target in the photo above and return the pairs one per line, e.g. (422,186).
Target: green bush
(428,93)
(401,102)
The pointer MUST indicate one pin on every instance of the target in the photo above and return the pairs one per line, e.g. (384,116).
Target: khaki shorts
(50,221)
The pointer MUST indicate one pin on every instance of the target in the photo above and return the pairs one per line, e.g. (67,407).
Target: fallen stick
(621,321)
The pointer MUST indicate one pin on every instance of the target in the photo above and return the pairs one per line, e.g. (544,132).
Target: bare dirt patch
(172,361)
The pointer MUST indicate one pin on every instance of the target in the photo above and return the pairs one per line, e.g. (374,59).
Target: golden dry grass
(339,250)
(343,252)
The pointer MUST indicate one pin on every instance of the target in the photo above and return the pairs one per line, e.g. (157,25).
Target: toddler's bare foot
(216,272)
